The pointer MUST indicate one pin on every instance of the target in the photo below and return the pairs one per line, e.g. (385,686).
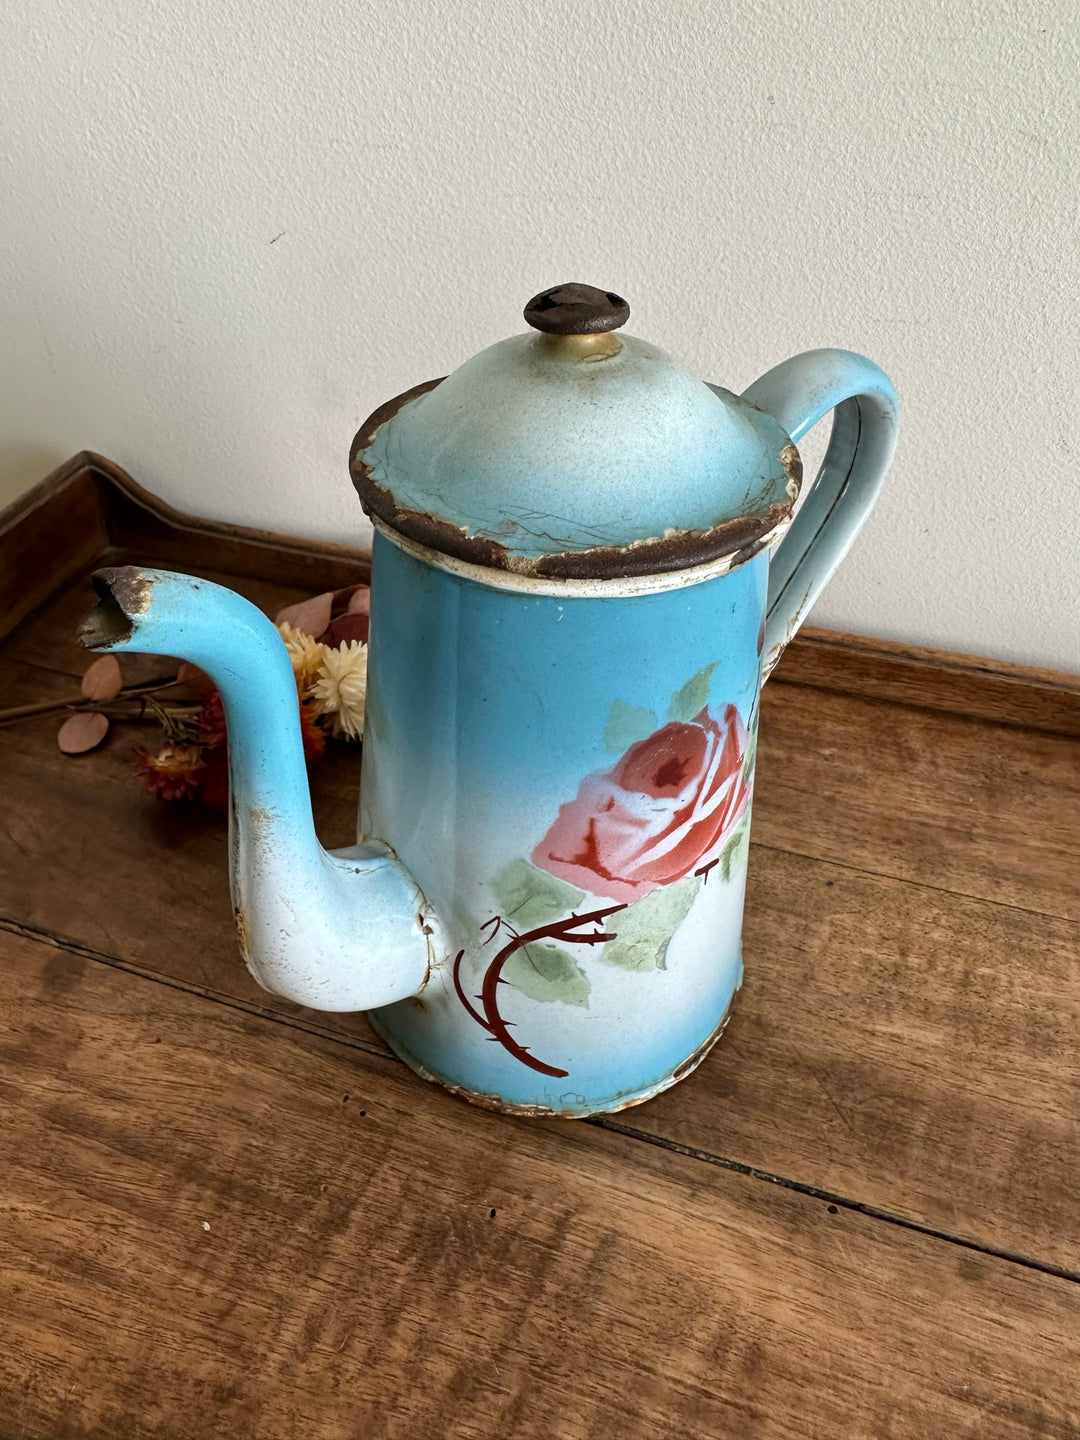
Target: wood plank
(92,504)
(934,679)
(976,807)
(90,512)
(47,536)
(205,1237)
(926,785)
(910,1049)
(149,531)
(87,854)
(47,638)
(895,1044)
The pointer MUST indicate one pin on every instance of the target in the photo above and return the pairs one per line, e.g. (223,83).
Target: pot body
(568,778)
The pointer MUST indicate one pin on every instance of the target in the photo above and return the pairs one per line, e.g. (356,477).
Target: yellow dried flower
(341,687)
(306,654)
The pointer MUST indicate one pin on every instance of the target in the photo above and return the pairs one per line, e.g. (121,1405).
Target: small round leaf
(103,681)
(82,731)
(312,616)
(189,674)
(347,627)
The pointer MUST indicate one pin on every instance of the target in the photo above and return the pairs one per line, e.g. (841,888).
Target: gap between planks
(604,1122)
(908,880)
(970,717)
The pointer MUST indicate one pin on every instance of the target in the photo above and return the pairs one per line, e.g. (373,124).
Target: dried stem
(80,702)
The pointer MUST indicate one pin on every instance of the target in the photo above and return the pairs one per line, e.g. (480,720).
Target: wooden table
(225,1216)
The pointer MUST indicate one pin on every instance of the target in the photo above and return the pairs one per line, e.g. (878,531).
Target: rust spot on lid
(742,536)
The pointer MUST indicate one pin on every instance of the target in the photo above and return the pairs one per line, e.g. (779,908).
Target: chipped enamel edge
(616,587)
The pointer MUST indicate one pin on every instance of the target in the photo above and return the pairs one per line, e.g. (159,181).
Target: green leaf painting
(731,856)
(544,972)
(750,758)
(626,725)
(644,930)
(529,896)
(693,697)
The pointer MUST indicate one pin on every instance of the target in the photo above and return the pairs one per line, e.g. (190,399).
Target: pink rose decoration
(670,801)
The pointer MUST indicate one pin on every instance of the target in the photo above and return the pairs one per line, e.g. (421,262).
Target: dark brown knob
(576,310)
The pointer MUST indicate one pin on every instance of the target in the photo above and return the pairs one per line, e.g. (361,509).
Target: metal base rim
(611,1106)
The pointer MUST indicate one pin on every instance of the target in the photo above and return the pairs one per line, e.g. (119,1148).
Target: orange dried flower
(312,733)
(172,774)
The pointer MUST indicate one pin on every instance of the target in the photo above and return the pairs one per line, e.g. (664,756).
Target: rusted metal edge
(123,593)
(741,537)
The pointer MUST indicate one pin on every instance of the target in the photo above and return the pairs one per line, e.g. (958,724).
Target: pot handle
(798,393)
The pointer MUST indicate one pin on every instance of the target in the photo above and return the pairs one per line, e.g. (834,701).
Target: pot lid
(573,452)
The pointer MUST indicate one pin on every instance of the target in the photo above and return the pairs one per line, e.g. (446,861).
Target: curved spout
(344,930)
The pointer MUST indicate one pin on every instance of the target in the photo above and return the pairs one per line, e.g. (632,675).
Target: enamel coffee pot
(584,567)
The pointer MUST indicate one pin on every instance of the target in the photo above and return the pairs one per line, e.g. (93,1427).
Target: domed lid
(571,452)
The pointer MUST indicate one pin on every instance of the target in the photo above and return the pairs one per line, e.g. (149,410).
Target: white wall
(230,228)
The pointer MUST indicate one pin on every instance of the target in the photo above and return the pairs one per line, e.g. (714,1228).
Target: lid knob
(576,310)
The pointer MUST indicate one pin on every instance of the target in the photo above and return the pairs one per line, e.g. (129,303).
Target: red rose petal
(663,762)
(212,719)
(606,842)
(213,779)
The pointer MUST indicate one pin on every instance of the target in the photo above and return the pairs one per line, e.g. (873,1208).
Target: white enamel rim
(620,586)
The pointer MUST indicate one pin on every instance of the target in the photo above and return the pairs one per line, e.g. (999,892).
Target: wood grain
(90,509)
(970,806)
(934,680)
(903,1048)
(219,1227)
(895,1044)
(981,807)
(910,1049)
(47,638)
(87,854)
(886,1090)
(48,536)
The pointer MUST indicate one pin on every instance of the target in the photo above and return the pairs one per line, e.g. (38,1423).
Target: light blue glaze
(486,710)
(800,392)
(575,767)
(334,931)
(545,453)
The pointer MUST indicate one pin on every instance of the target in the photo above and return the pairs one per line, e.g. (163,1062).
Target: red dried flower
(214,779)
(173,773)
(212,719)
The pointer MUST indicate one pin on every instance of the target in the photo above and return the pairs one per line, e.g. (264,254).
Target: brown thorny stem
(492,1021)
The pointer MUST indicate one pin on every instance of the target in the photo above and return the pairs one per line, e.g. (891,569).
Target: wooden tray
(224,1215)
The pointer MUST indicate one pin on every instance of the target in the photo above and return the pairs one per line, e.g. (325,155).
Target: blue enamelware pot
(585,566)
